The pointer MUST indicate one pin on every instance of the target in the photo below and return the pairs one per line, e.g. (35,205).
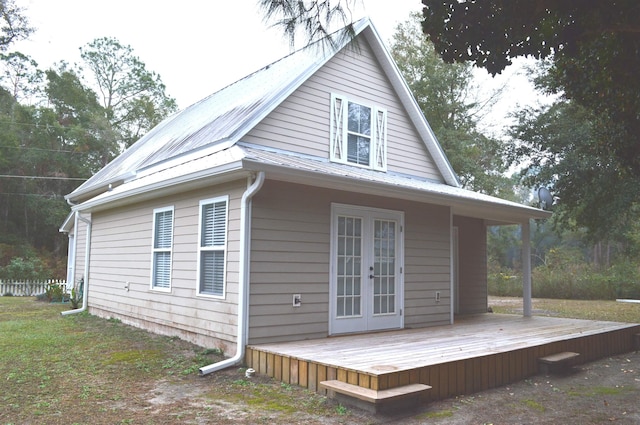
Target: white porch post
(526,268)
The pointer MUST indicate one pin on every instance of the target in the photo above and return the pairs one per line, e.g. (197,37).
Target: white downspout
(243,279)
(87,257)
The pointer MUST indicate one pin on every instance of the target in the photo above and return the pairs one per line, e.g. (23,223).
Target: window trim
(155,250)
(339,133)
(223,247)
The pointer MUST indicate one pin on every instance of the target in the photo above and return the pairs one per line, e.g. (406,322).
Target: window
(212,247)
(358,134)
(162,243)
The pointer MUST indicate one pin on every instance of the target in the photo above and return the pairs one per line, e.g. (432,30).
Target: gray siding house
(308,199)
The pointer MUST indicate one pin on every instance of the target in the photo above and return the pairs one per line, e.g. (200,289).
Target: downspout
(87,256)
(243,279)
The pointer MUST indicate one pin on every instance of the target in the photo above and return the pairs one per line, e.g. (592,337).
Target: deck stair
(375,401)
(557,363)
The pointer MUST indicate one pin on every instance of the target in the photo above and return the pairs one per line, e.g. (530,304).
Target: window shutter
(162,266)
(212,272)
(163,231)
(338,129)
(213,241)
(162,242)
(214,224)
(380,140)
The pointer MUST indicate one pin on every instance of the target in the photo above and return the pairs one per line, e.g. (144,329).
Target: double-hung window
(358,133)
(212,248)
(162,245)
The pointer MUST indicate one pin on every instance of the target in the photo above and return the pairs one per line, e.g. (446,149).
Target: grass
(577,309)
(85,370)
(81,369)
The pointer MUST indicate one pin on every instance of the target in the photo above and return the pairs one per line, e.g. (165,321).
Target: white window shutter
(338,128)
(380,140)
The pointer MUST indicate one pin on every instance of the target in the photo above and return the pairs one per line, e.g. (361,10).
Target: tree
(133,97)
(21,77)
(317,18)
(560,142)
(445,95)
(14,25)
(593,44)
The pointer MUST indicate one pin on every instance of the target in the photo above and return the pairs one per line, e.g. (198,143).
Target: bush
(25,269)
(55,293)
(571,280)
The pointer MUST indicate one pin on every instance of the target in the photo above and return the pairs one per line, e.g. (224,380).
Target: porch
(475,354)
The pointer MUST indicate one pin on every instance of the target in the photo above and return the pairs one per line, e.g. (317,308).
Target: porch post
(526,268)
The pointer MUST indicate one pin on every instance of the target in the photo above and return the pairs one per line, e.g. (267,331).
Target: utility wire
(41,177)
(38,149)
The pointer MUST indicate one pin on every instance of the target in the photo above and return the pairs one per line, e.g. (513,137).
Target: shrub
(55,293)
(25,269)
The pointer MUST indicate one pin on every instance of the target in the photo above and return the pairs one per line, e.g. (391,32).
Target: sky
(198,46)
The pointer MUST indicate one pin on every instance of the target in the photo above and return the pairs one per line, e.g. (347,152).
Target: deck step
(557,362)
(376,400)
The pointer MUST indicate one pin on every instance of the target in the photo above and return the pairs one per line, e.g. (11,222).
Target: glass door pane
(384,267)
(349,267)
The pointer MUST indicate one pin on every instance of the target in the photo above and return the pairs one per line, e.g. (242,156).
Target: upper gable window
(358,133)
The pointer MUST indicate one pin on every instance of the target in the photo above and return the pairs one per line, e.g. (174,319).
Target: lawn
(81,369)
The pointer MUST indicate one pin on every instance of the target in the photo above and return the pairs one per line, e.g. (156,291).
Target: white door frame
(366,320)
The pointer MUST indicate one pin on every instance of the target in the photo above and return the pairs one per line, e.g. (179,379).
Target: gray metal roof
(221,119)
(203,144)
(243,158)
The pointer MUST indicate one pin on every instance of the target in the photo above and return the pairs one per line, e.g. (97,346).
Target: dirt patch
(606,391)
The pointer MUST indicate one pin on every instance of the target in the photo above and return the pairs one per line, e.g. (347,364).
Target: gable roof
(223,118)
(202,145)
(235,160)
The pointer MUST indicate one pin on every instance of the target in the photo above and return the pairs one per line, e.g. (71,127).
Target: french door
(366,269)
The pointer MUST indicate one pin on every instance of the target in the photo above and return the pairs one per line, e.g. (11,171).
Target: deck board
(471,337)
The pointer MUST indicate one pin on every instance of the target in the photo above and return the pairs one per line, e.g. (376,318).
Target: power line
(38,149)
(41,177)
(42,195)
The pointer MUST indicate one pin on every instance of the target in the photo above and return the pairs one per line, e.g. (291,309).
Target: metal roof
(221,117)
(203,145)
(243,159)
(220,120)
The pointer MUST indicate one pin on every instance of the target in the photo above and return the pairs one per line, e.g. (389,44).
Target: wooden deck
(475,354)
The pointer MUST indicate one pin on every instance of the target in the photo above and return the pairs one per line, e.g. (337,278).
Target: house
(308,199)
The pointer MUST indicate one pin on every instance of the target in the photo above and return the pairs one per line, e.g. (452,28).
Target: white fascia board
(408,100)
(124,195)
(68,223)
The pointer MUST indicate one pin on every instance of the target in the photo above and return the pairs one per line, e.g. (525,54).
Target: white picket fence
(28,288)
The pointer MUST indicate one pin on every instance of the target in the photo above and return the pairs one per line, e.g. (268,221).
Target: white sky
(196,46)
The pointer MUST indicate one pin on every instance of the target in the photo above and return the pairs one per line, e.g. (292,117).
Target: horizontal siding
(290,255)
(427,266)
(472,259)
(301,123)
(121,255)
